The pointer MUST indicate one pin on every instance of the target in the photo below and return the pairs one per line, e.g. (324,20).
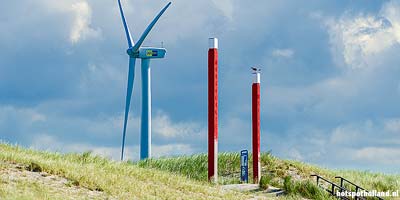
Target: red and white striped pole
(256,127)
(213,109)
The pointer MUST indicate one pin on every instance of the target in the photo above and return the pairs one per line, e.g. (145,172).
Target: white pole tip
(257,78)
(213,43)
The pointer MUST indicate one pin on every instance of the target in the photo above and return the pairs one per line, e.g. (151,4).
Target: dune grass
(117,180)
(275,170)
(183,177)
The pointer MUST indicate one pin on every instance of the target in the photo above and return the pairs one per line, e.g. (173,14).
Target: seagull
(255,69)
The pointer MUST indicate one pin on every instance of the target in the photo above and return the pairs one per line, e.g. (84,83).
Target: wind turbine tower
(145,54)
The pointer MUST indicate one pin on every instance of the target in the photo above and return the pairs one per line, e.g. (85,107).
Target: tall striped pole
(256,127)
(213,110)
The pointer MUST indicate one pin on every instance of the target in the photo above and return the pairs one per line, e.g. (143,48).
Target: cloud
(210,20)
(173,149)
(346,145)
(81,28)
(51,143)
(295,154)
(390,11)
(356,38)
(226,6)
(343,135)
(101,135)
(387,156)
(164,127)
(285,53)
(16,123)
(392,125)
(25,115)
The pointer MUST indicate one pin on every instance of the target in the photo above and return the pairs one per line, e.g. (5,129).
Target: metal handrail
(333,185)
(343,179)
(357,187)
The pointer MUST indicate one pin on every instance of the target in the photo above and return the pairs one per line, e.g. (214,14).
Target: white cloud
(163,126)
(172,149)
(370,142)
(388,156)
(344,135)
(51,143)
(210,20)
(356,38)
(71,17)
(226,6)
(391,12)
(167,135)
(363,145)
(96,77)
(236,130)
(81,29)
(26,116)
(286,53)
(328,95)
(392,125)
(45,141)
(295,154)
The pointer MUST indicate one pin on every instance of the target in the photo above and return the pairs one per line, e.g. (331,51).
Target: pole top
(257,77)
(213,43)
(256,72)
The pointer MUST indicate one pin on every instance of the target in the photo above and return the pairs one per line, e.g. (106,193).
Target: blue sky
(330,79)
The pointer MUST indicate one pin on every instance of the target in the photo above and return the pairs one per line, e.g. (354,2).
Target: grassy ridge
(275,171)
(168,178)
(117,180)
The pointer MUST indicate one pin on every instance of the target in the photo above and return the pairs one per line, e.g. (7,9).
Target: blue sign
(244,166)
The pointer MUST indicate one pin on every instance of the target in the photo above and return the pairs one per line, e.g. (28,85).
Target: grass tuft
(306,189)
(265,181)
(34,167)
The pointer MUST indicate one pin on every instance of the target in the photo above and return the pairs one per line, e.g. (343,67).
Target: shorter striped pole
(256,127)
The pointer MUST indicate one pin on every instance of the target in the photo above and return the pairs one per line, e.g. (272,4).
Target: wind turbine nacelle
(150,52)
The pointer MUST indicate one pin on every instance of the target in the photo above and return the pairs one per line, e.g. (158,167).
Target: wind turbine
(145,53)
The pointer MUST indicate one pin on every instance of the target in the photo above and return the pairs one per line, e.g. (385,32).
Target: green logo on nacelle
(151,53)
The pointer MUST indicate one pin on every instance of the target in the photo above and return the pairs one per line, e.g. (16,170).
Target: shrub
(265,180)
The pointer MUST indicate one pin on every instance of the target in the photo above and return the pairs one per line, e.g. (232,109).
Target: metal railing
(332,188)
(358,188)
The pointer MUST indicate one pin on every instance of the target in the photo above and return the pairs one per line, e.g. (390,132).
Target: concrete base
(255,188)
(242,187)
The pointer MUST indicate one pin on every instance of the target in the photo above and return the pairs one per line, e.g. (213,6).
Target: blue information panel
(244,166)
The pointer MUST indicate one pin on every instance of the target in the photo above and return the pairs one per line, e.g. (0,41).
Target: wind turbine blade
(148,29)
(131,77)
(128,33)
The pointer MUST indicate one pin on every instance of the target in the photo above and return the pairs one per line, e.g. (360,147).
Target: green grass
(305,189)
(275,170)
(120,180)
(25,189)
(182,177)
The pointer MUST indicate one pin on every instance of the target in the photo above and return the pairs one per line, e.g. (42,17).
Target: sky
(330,81)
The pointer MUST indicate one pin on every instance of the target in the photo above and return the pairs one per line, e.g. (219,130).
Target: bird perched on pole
(255,69)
